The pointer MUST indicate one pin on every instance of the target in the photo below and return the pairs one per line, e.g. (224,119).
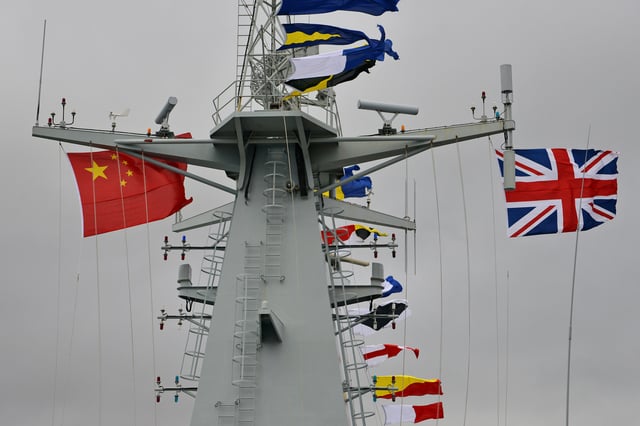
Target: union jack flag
(561,190)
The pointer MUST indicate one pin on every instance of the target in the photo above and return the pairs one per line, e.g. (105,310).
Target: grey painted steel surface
(221,157)
(360,213)
(352,293)
(322,148)
(298,380)
(203,219)
(347,151)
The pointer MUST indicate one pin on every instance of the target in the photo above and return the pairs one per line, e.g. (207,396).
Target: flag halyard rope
(468,262)
(128,268)
(439,237)
(573,283)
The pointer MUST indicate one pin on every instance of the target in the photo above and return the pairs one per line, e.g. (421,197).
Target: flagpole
(573,283)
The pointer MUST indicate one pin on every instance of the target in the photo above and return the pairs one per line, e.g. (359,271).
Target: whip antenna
(44,33)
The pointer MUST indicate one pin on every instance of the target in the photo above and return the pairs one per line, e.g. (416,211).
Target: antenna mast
(44,33)
(261,69)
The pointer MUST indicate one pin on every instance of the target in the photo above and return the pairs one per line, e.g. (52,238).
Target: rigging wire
(59,285)
(128,267)
(98,301)
(466,231)
(573,279)
(506,361)
(294,228)
(151,308)
(406,210)
(73,324)
(286,147)
(495,275)
(415,235)
(406,273)
(507,313)
(439,237)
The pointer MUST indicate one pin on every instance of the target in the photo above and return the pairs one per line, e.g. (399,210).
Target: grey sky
(575,67)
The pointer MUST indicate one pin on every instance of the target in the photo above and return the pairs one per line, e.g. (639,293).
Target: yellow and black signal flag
(317,72)
(312,84)
(304,35)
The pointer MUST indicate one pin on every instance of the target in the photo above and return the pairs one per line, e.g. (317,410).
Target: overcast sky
(575,68)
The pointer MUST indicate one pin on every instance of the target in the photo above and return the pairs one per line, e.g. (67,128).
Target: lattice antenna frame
(260,69)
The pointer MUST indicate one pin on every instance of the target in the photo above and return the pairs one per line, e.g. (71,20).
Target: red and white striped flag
(376,354)
(412,413)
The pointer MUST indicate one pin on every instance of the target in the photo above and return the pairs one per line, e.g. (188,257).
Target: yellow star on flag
(97,171)
(123,182)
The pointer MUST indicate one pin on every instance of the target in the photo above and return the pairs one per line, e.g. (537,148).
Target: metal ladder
(211,267)
(246,334)
(245,27)
(275,177)
(354,369)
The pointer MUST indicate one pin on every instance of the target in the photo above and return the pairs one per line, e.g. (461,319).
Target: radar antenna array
(380,107)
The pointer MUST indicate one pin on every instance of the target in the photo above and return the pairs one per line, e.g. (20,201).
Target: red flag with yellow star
(119,191)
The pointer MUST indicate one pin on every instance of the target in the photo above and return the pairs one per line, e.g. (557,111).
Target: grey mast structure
(265,351)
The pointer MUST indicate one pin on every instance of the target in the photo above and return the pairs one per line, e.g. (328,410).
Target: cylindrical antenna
(184,274)
(44,33)
(509,160)
(509,169)
(382,107)
(506,80)
(377,273)
(166,110)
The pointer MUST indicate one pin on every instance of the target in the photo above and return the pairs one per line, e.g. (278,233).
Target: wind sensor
(113,116)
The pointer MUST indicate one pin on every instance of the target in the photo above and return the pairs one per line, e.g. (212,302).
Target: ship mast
(279,302)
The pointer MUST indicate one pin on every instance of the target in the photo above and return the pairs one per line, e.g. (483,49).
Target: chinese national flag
(125,194)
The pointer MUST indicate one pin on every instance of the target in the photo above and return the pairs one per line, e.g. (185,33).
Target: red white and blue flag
(561,190)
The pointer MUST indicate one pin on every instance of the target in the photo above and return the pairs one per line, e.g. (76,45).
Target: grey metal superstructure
(279,296)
